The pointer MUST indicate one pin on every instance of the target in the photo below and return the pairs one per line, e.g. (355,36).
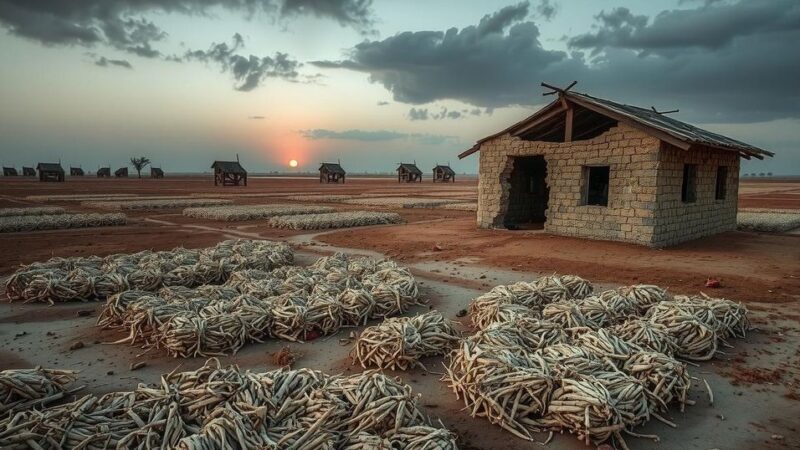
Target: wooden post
(568,124)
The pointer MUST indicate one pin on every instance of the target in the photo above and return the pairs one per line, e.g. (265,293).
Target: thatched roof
(49,167)
(229,166)
(445,169)
(332,168)
(657,124)
(410,168)
(156,170)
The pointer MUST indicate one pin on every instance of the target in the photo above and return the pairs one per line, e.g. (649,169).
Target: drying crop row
(343,219)
(145,204)
(32,211)
(293,303)
(550,356)
(60,221)
(401,202)
(250,212)
(84,278)
(220,408)
(775,222)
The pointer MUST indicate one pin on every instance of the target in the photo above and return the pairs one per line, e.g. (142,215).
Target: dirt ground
(756,383)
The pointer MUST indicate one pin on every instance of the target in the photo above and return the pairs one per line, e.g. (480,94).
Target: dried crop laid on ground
(32,211)
(218,408)
(770,222)
(84,278)
(460,206)
(596,366)
(400,342)
(75,197)
(402,202)
(143,204)
(23,389)
(290,302)
(234,213)
(344,219)
(11,224)
(322,198)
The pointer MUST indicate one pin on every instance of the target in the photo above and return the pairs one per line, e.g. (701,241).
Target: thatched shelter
(588,167)
(331,173)
(122,172)
(443,174)
(229,173)
(50,172)
(156,172)
(28,171)
(75,172)
(104,172)
(408,173)
(9,171)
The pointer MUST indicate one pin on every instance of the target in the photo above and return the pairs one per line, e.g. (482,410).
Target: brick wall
(643,184)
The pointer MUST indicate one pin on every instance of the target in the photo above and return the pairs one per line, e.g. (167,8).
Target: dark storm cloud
(424,114)
(374,136)
(248,71)
(711,26)
(731,69)
(105,62)
(121,23)
(418,114)
(546,10)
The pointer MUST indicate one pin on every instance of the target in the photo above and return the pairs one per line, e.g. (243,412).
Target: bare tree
(139,164)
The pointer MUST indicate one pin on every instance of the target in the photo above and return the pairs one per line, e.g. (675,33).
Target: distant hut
(75,172)
(409,173)
(229,173)
(50,172)
(28,171)
(104,172)
(122,172)
(9,171)
(156,172)
(331,173)
(443,174)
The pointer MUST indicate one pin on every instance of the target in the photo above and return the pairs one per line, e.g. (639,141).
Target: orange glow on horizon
(293,163)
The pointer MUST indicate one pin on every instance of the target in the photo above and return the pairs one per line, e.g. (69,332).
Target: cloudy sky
(375,82)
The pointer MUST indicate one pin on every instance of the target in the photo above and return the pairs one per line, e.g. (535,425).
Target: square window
(596,178)
(722,183)
(689,186)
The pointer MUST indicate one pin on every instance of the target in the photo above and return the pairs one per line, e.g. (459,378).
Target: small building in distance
(28,171)
(408,173)
(122,172)
(76,172)
(331,173)
(156,172)
(229,173)
(9,171)
(593,168)
(104,172)
(50,172)
(443,174)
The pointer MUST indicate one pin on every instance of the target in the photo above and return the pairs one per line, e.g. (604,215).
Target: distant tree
(139,164)
(761,174)
(769,174)
(745,174)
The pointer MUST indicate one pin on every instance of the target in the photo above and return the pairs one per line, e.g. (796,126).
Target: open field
(756,382)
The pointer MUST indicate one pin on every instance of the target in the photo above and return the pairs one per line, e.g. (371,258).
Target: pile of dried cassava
(222,408)
(164,203)
(345,219)
(22,389)
(232,213)
(400,342)
(770,222)
(76,197)
(82,278)
(32,211)
(290,302)
(59,221)
(550,356)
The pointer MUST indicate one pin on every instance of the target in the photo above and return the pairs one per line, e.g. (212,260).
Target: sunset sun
(293,163)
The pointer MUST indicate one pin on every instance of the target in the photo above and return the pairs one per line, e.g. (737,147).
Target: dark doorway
(527,199)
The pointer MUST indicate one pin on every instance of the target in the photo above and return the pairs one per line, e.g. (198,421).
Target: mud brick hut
(408,173)
(229,173)
(28,171)
(104,172)
(443,174)
(122,172)
(75,172)
(331,173)
(156,172)
(50,172)
(9,171)
(594,168)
